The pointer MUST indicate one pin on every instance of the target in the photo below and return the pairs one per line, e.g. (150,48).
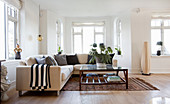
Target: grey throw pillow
(46,60)
(40,60)
(61,59)
(51,60)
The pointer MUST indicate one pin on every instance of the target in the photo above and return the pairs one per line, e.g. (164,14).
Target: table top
(107,68)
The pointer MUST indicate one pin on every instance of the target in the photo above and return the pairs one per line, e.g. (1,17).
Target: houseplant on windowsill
(119,52)
(101,57)
(59,50)
(159,43)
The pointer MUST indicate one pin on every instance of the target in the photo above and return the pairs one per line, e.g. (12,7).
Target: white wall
(51,33)
(160,64)
(43,32)
(125,59)
(140,28)
(48,21)
(141,31)
(29,28)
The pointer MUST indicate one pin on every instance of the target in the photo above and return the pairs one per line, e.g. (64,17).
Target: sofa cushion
(30,61)
(78,66)
(46,60)
(61,59)
(51,60)
(40,60)
(82,58)
(72,59)
(66,71)
(22,63)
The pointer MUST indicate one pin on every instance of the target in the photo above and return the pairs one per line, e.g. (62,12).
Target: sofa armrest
(23,76)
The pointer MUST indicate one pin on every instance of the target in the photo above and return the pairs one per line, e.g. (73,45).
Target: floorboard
(161,81)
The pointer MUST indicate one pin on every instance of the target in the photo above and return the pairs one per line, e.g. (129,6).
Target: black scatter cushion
(72,59)
(40,60)
(112,55)
(61,59)
(88,60)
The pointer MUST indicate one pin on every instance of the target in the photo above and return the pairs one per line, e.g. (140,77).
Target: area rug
(135,84)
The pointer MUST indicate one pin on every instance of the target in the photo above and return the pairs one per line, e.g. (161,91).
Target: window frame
(162,29)
(8,17)
(118,34)
(84,24)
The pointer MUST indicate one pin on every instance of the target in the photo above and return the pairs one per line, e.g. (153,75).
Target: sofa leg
(20,93)
(58,93)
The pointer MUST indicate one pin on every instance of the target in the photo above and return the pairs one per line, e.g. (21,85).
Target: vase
(119,52)
(158,52)
(18,55)
(99,63)
(59,52)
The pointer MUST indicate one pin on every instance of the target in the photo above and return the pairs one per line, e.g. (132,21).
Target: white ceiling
(79,8)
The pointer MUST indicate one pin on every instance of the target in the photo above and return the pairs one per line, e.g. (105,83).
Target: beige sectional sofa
(59,75)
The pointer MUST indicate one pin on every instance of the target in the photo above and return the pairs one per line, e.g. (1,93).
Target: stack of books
(113,78)
(91,75)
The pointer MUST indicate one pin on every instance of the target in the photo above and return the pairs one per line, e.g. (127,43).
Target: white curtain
(15,3)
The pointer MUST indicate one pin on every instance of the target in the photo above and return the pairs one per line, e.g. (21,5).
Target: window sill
(162,56)
(12,60)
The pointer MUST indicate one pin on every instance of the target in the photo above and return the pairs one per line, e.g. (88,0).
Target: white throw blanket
(40,77)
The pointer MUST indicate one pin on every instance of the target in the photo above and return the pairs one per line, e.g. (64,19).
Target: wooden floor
(162,82)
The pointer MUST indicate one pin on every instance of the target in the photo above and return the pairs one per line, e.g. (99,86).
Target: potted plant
(59,50)
(101,57)
(119,52)
(159,43)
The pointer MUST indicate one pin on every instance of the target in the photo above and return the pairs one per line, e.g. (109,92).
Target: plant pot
(98,60)
(158,53)
(59,52)
(99,63)
(119,52)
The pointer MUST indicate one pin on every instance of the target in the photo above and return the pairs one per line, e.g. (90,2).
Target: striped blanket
(40,77)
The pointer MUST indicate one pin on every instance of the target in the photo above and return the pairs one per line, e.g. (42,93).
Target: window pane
(99,29)
(88,38)
(11,39)
(156,22)
(77,29)
(2,34)
(77,44)
(166,22)
(9,11)
(13,12)
(155,37)
(98,40)
(167,41)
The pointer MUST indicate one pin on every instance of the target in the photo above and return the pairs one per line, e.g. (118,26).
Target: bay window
(85,34)
(160,32)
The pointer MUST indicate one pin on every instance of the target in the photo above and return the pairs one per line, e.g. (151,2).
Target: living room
(40,28)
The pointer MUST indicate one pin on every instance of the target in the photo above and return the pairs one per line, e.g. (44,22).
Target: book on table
(113,78)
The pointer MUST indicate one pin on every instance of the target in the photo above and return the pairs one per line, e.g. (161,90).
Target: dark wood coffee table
(100,80)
